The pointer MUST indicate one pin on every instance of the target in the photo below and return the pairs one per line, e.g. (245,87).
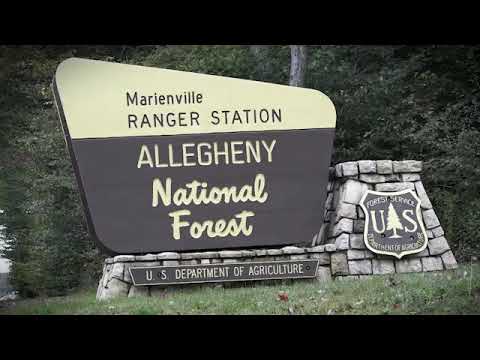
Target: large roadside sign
(172,161)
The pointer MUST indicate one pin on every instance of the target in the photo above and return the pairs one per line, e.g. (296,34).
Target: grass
(451,292)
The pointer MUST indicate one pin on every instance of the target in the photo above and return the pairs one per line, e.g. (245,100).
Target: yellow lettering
(219,228)
(269,149)
(177,224)
(165,194)
(410,220)
(217,153)
(170,157)
(144,152)
(208,154)
(253,151)
(186,155)
(236,152)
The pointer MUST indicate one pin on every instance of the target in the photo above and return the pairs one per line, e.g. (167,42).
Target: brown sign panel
(246,271)
(172,161)
(393,223)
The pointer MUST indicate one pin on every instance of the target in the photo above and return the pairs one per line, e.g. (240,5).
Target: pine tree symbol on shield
(403,221)
(393,222)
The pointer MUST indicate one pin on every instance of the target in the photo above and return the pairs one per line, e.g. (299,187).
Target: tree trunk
(262,66)
(298,65)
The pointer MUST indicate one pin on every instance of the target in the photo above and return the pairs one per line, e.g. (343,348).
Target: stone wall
(339,246)
(344,219)
(116,279)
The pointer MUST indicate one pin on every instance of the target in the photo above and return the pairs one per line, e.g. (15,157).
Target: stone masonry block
(127,277)
(189,256)
(407,166)
(438,246)
(356,242)
(330,248)
(384,166)
(316,249)
(449,260)
(372,178)
(430,219)
(432,263)
(358,226)
(171,263)
(408,265)
(339,264)
(148,257)
(410,177)
(299,257)
(398,186)
(117,271)
(208,255)
(115,288)
(360,267)
(124,258)
(352,191)
(383,266)
(346,210)
(438,231)
(230,254)
(323,258)
(324,274)
(168,256)
(350,168)
(136,291)
(422,194)
(261,252)
(230,261)
(290,250)
(367,166)
(343,226)
(355,254)
(342,241)
(422,253)
(248,253)
(189,262)
(393,178)
(274,252)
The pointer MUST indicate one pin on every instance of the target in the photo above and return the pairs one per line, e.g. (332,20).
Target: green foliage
(412,103)
(230,61)
(45,229)
(393,102)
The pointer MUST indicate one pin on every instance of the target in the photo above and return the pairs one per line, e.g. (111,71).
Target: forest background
(392,102)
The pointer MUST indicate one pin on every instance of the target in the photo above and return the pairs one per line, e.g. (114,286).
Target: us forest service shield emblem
(393,223)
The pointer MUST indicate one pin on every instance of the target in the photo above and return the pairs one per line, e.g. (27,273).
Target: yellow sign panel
(103,99)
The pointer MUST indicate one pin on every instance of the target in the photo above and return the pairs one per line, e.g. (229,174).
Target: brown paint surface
(117,195)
